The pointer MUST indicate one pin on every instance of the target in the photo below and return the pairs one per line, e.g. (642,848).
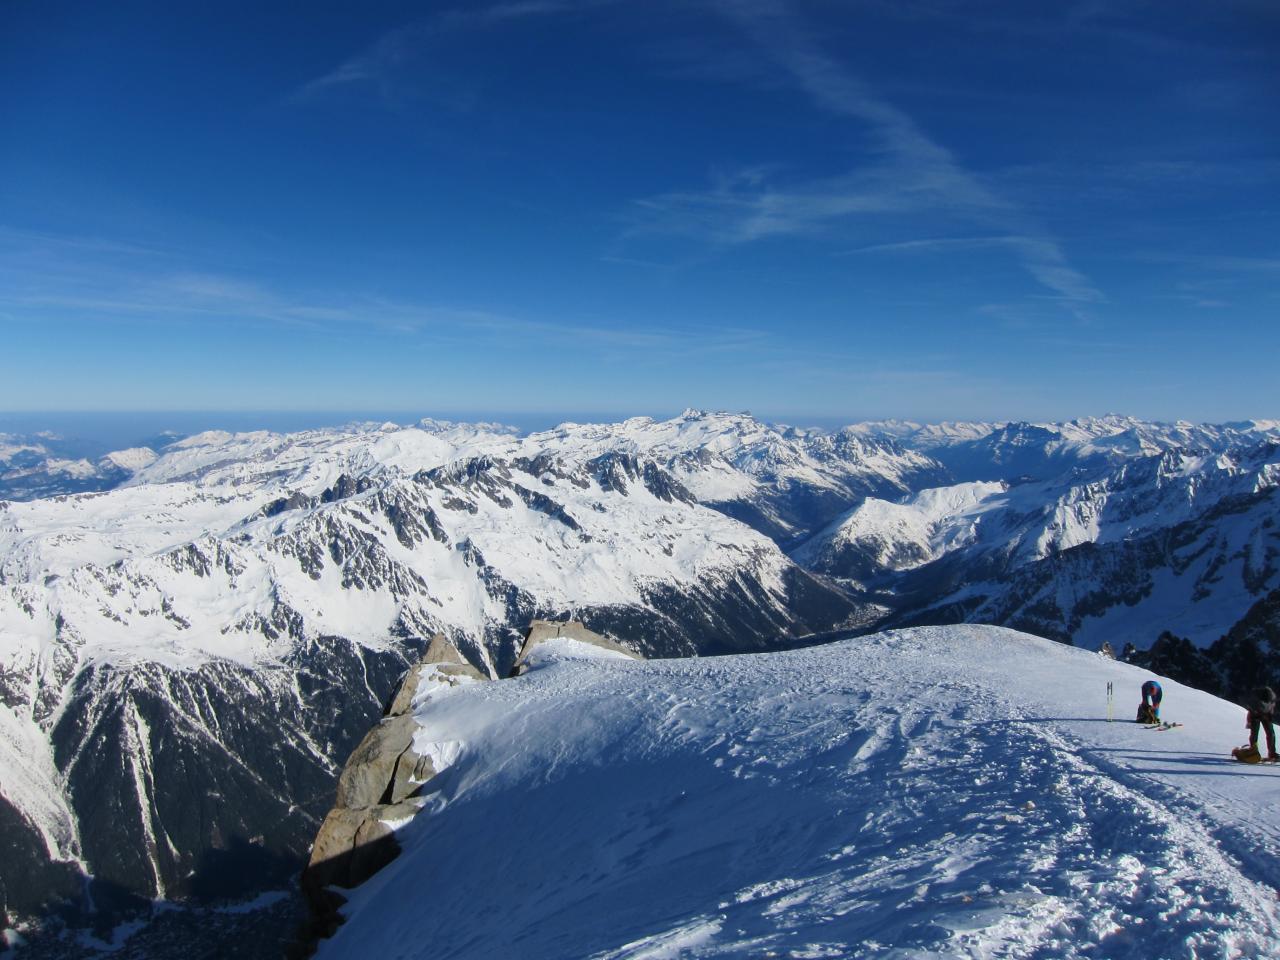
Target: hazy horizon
(93,433)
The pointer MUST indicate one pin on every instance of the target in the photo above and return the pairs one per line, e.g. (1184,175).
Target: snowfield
(937,792)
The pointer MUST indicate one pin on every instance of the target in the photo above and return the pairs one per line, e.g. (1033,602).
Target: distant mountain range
(44,465)
(191,643)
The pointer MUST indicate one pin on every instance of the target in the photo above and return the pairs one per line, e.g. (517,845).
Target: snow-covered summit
(131,460)
(925,436)
(944,792)
(880,535)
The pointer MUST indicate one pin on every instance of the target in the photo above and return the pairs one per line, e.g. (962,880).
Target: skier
(1107,650)
(1149,709)
(1262,708)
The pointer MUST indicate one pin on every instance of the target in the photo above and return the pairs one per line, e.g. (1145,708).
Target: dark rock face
(205,783)
(29,880)
(731,617)
(1246,657)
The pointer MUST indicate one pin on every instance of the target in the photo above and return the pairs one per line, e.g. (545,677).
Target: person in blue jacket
(1151,696)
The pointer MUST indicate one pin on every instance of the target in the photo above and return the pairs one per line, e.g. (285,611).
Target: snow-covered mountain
(880,536)
(43,465)
(925,436)
(1176,541)
(185,659)
(784,481)
(1021,450)
(943,792)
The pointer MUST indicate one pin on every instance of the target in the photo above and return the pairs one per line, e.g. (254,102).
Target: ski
(1163,726)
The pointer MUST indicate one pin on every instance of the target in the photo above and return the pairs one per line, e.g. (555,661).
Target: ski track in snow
(942,792)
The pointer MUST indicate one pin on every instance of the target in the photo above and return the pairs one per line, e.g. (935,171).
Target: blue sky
(923,208)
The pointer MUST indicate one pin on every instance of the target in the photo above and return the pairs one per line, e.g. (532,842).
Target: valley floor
(939,792)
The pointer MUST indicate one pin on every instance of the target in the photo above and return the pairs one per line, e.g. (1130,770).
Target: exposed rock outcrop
(380,785)
(377,789)
(540,631)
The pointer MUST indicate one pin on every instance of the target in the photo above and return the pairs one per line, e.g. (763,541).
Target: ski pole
(1110,701)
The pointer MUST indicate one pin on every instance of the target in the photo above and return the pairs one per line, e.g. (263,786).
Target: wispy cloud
(931,244)
(909,172)
(381,63)
(744,206)
(56,276)
(1222,263)
(1042,258)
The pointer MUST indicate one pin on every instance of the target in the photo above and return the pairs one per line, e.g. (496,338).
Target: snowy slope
(315,458)
(880,535)
(925,436)
(944,792)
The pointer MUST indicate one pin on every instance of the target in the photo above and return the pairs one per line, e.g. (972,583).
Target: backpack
(1247,754)
(1146,714)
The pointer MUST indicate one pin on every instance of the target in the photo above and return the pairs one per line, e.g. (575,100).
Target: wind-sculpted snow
(948,792)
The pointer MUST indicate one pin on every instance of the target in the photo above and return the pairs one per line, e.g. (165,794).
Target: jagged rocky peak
(615,471)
